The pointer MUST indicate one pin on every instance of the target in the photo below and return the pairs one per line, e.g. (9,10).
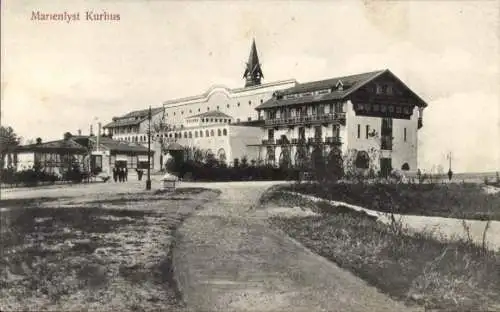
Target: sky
(59,76)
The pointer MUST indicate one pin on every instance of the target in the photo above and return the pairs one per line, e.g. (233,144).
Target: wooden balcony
(306,120)
(309,141)
(333,140)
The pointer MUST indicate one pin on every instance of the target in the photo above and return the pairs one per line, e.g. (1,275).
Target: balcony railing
(268,142)
(333,140)
(313,140)
(311,119)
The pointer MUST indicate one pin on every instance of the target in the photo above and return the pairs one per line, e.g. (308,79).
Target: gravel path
(227,259)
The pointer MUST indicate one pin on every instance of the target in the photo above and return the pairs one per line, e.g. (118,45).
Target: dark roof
(211,114)
(69,145)
(142,112)
(125,120)
(350,84)
(120,146)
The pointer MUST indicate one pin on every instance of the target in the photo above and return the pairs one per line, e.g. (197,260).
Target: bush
(197,171)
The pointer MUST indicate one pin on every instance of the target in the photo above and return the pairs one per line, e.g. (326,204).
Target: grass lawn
(86,257)
(415,268)
(457,200)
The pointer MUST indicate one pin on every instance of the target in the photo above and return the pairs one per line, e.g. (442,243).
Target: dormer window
(339,86)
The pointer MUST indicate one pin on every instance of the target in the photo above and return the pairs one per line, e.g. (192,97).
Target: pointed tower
(253,73)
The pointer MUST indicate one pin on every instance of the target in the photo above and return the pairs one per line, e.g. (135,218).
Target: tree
(8,143)
(158,130)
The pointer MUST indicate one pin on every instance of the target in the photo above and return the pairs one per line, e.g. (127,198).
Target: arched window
(285,160)
(405,167)
(207,134)
(224,132)
(219,132)
(362,160)
(212,132)
(185,135)
(221,155)
(270,155)
(170,135)
(190,134)
(201,133)
(196,134)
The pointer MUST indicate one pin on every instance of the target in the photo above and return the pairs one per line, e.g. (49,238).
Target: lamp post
(148,181)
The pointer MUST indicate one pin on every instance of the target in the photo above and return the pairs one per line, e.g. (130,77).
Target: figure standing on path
(126,174)
(115,174)
(120,174)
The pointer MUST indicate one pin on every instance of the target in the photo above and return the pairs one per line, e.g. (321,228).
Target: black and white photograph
(267,156)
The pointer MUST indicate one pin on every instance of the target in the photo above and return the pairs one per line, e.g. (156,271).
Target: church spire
(253,73)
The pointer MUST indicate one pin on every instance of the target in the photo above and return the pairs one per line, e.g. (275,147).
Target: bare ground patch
(90,258)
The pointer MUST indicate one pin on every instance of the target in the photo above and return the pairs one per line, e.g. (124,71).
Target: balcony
(333,140)
(304,120)
(268,142)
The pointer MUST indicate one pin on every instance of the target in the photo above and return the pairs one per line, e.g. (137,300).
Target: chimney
(79,132)
(98,140)
(91,131)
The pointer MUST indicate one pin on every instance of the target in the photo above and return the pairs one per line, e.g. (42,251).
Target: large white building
(372,116)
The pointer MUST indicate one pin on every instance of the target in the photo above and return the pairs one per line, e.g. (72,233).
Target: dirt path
(227,259)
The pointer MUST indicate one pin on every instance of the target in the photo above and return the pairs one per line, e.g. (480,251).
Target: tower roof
(253,72)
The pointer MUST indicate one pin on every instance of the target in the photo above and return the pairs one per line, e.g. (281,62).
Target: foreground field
(92,254)
(455,200)
(412,267)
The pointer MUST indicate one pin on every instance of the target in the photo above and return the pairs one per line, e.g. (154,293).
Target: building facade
(369,120)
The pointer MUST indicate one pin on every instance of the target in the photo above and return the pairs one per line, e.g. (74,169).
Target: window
(190,134)
(249,102)
(207,134)
(249,118)
(238,104)
(389,90)
(237,120)
(224,132)
(199,109)
(404,134)
(227,105)
(208,108)
(378,89)
(182,112)
(362,160)
(190,111)
(335,131)
(174,113)
(261,101)
(219,133)
(318,132)
(270,134)
(211,120)
(359,131)
(201,133)
(185,135)
(212,132)
(217,107)
(196,134)
(367,131)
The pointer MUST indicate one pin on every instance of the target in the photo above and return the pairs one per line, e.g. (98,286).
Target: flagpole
(148,181)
